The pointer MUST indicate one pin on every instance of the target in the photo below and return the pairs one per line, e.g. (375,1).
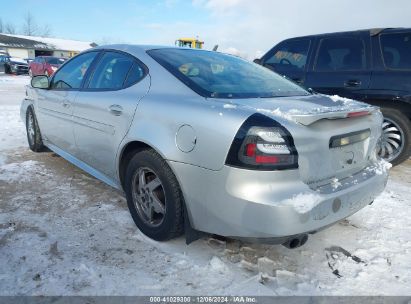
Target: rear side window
(135,74)
(341,54)
(396,50)
(290,55)
(112,71)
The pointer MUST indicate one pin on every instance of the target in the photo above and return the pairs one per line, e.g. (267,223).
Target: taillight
(263,144)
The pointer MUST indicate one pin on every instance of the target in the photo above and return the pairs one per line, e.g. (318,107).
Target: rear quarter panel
(158,119)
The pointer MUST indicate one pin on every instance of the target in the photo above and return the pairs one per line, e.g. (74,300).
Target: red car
(45,65)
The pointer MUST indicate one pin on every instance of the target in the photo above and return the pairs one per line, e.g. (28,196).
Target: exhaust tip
(296,241)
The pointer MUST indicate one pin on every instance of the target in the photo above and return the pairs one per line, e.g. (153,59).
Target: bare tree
(46,31)
(1,26)
(9,28)
(30,27)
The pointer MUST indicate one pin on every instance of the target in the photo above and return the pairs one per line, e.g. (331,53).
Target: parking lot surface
(62,232)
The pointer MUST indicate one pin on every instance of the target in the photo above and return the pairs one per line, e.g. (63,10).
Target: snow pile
(302,202)
(277,112)
(217,265)
(337,98)
(380,167)
(335,183)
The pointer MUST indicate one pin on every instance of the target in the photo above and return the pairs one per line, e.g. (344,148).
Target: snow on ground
(63,232)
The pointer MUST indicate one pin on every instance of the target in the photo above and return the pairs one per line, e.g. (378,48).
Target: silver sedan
(202,141)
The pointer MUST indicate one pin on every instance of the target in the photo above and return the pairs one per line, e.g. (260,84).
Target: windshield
(54,60)
(217,75)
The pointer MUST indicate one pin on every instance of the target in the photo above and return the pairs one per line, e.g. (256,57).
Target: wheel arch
(127,151)
(25,105)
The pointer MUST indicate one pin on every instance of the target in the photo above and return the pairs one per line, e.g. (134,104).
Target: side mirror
(258,61)
(40,82)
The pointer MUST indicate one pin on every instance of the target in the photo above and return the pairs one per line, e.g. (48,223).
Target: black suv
(373,66)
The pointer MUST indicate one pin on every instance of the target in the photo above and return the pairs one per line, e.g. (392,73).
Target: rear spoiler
(308,119)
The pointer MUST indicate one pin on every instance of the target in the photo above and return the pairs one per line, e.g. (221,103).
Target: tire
(33,131)
(396,132)
(145,203)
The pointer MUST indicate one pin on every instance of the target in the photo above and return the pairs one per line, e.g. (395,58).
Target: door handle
(115,110)
(352,83)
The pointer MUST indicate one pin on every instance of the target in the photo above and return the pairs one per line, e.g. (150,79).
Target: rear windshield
(396,50)
(53,60)
(217,75)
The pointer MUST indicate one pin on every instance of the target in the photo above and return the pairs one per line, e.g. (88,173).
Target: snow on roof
(12,41)
(59,44)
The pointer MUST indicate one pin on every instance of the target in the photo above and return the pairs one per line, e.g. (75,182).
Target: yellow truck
(193,43)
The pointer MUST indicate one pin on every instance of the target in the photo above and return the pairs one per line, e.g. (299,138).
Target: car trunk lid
(335,137)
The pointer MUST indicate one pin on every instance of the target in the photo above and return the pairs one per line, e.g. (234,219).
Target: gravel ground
(62,232)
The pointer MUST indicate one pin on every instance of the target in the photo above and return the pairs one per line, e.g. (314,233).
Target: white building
(31,46)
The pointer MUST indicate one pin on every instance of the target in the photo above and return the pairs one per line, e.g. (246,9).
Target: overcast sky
(249,27)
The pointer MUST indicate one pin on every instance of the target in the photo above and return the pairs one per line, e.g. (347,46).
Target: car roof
(372,32)
(142,47)
(140,51)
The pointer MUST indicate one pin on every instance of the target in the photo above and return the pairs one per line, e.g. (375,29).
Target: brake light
(263,144)
(250,150)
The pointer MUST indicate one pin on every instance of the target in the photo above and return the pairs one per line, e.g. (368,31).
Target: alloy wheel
(392,140)
(149,197)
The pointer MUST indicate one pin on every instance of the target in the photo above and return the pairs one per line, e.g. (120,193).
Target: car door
(289,58)
(55,105)
(341,66)
(104,109)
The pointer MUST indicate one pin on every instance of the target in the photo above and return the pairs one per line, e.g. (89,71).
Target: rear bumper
(256,205)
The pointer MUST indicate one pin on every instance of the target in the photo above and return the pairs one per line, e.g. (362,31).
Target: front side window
(396,50)
(341,54)
(111,71)
(290,55)
(217,75)
(71,75)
